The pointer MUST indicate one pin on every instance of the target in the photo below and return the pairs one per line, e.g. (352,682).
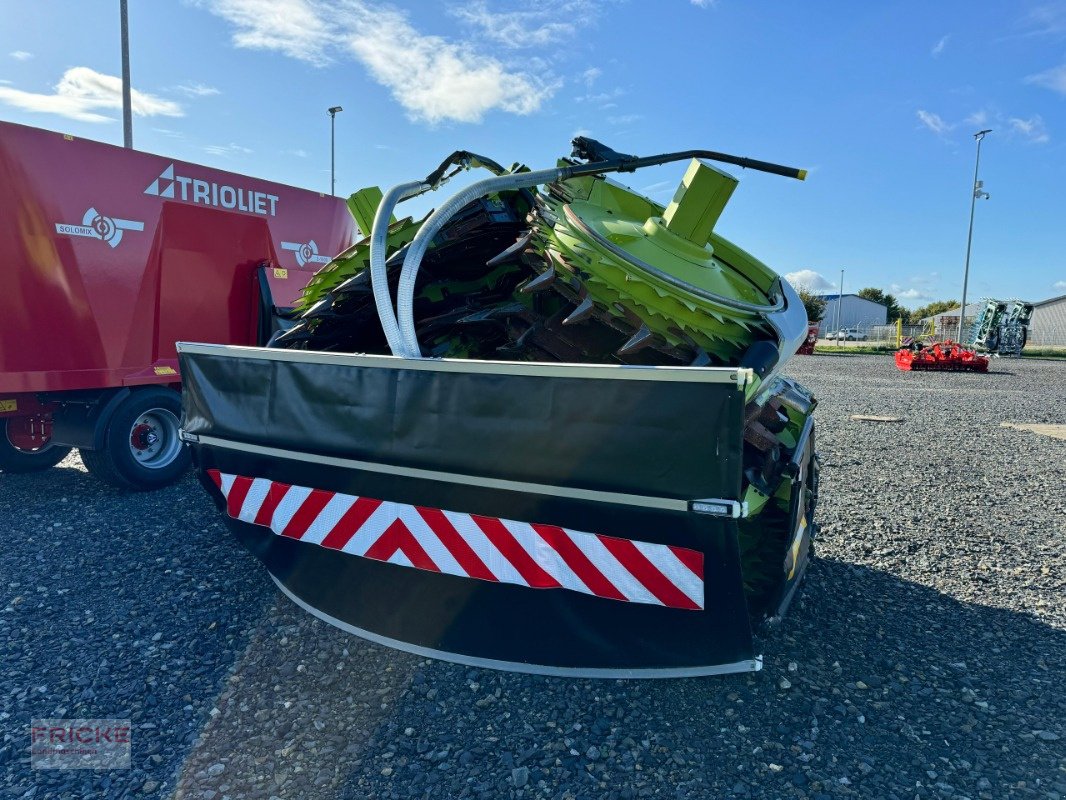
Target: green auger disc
(703,293)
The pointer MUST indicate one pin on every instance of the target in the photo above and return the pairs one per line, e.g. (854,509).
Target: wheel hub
(143,436)
(154,441)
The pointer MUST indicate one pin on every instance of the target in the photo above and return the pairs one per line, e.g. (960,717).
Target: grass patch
(1044,352)
(856,350)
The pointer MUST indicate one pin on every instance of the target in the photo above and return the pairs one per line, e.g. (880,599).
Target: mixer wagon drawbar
(567,447)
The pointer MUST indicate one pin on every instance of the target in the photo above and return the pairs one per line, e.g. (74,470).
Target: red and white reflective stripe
(470,545)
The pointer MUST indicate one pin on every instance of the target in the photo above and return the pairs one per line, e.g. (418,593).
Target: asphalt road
(925,658)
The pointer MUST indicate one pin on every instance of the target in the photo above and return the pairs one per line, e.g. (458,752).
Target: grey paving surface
(925,658)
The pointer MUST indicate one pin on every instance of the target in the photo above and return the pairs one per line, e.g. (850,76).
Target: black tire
(15,459)
(147,413)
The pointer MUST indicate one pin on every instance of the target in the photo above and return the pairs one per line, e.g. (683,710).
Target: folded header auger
(567,447)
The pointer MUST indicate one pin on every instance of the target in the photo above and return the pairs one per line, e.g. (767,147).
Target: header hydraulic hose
(603,159)
(431,227)
(399,327)
(379,279)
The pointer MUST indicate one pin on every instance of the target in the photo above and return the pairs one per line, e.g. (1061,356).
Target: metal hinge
(734,509)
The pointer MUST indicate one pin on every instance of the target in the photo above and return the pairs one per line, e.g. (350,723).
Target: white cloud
(1059,284)
(169,133)
(604,100)
(437,80)
(977,118)
(433,78)
(590,75)
(624,119)
(197,90)
(809,279)
(938,48)
(20,55)
(1053,79)
(299,153)
(1032,130)
(934,122)
(704,3)
(657,188)
(1047,19)
(230,149)
(4,82)
(920,286)
(293,27)
(911,294)
(536,25)
(82,93)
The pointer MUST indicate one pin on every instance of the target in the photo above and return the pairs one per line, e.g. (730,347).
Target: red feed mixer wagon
(108,257)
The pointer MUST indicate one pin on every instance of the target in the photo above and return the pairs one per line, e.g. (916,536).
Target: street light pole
(332,149)
(127,110)
(978,191)
(840,302)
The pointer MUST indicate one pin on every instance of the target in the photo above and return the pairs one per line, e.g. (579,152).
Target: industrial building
(855,312)
(1048,326)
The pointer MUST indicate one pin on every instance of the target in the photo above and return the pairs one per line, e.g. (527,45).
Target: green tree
(813,303)
(931,309)
(895,310)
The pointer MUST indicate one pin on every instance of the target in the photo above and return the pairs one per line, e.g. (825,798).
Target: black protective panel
(658,438)
(499,621)
(652,438)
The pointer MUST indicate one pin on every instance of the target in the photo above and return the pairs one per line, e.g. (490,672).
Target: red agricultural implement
(807,348)
(107,258)
(943,356)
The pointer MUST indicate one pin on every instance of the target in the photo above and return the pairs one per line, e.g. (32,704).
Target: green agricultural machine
(1002,327)
(545,428)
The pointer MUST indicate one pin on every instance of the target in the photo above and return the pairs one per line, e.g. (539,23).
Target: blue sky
(879,101)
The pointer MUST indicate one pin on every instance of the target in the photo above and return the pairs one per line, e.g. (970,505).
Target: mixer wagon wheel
(142,449)
(23,448)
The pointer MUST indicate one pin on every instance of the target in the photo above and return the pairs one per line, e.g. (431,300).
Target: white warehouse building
(1048,326)
(855,312)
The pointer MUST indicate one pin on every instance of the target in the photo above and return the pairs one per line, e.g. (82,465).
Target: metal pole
(840,302)
(332,148)
(969,236)
(127,109)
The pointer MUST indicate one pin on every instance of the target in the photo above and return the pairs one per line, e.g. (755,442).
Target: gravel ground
(925,657)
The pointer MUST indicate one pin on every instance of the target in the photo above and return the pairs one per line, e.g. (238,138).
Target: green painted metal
(699,202)
(363,205)
(687,284)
